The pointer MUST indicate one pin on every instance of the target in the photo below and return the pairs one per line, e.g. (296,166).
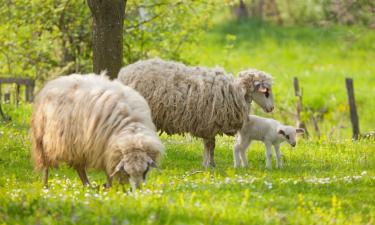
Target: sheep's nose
(270,109)
(293,145)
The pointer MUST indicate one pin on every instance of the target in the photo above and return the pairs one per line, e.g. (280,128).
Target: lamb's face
(263,97)
(289,133)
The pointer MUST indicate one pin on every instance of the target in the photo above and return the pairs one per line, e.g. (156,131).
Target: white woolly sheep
(270,132)
(197,100)
(88,121)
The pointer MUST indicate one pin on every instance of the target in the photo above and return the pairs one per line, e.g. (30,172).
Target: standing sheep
(88,121)
(201,101)
(270,132)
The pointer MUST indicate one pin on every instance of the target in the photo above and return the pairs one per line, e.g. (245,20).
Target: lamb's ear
(118,168)
(280,131)
(300,131)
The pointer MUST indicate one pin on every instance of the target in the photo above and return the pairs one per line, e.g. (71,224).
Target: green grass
(326,181)
(321,183)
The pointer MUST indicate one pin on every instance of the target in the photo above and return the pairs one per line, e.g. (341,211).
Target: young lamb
(197,100)
(270,132)
(88,121)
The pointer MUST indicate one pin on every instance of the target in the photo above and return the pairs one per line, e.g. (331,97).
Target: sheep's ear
(152,164)
(118,168)
(262,89)
(281,132)
(300,131)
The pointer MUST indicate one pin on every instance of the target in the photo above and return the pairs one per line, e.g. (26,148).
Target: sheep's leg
(209,150)
(279,163)
(239,151)
(268,155)
(109,182)
(45,177)
(82,175)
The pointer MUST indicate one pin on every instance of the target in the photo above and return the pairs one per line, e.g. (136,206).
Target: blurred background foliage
(46,38)
(40,39)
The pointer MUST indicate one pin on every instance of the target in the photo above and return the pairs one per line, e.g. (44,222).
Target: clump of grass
(322,182)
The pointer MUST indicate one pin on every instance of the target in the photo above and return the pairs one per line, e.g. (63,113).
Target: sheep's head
(137,155)
(257,86)
(134,169)
(288,133)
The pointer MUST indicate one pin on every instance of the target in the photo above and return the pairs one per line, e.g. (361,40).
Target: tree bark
(108,22)
(241,11)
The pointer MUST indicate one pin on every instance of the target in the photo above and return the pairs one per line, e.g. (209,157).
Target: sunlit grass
(321,182)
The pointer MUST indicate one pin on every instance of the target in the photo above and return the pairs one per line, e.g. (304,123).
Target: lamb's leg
(239,152)
(82,175)
(279,163)
(209,149)
(268,155)
(243,155)
(45,177)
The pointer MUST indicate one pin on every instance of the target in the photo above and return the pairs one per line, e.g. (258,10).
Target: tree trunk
(241,11)
(108,23)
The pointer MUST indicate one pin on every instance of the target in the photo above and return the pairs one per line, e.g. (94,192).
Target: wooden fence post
(353,108)
(29,91)
(18,87)
(298,94)
(7,97)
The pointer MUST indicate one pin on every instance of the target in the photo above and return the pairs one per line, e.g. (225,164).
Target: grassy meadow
(325,181)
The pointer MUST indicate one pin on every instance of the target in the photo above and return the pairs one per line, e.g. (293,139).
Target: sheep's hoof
(209,166)
(106,186)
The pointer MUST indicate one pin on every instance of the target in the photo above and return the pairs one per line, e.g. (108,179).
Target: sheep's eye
(267,94)
(287,136)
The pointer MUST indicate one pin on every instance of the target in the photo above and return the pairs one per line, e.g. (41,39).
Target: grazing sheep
(201,101)
(88,121)
(270,132)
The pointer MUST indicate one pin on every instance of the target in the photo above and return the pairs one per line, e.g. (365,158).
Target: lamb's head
(288,133)
(257,86)
(138,157)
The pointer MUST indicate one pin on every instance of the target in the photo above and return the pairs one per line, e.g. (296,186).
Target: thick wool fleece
(198,100)
(91,122)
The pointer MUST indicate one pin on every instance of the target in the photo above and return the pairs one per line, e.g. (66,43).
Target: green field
(326,181)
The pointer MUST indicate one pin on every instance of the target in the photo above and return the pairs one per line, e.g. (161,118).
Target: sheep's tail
(37,131)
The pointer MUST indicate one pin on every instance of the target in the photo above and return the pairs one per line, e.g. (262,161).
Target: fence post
(7,97)
(18,87)
(32,87)
(353,108)
(298,94)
